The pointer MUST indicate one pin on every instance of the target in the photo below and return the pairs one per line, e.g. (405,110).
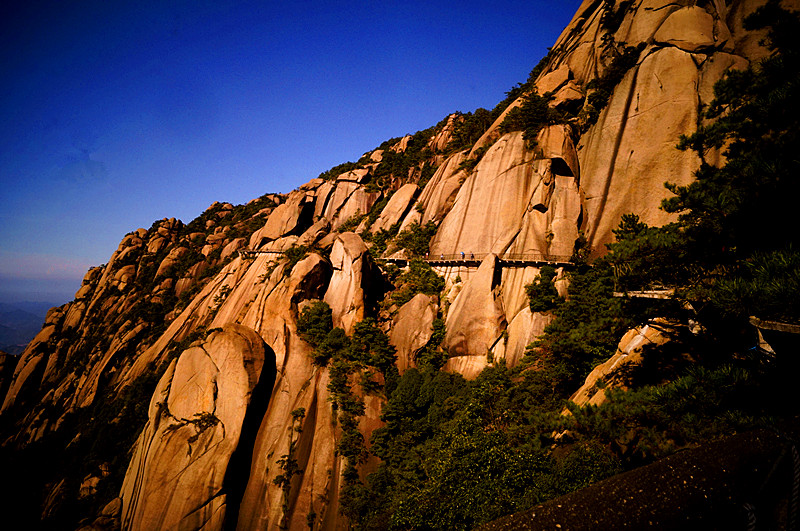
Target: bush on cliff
(531,117)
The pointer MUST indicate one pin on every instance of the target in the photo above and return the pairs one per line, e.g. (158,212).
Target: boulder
(412,328)
(476,318)
(172,258)
(396,208)
(567,95)
(551,81)
(292,217)
(358,203)
(359,176)
(613,373)
(232,247)
(175,479)
(690,29)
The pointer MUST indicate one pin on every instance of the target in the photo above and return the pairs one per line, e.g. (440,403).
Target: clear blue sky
(114,114)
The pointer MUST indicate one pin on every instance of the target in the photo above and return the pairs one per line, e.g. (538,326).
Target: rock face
(614,372)
(176,479)
(209,309)
(412,329)
(476,317)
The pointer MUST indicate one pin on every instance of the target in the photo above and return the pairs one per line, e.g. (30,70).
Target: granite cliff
(177,374)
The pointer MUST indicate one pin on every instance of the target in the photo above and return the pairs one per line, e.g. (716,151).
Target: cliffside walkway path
(465,260)
(475,260)
(250,253)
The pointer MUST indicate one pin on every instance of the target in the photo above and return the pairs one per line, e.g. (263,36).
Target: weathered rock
(567,95)
(172,258)
(7,365)
(613,372)
(476,318)
(439,193)
(486,213)
(551,81)
(358,203)
(467,366)
(691,29)
(629,154)
(396,208)
(232,247)
(516,201)
(352,271)
(442,138)
(176,476)
(30,365)
(356,176)
(522,331)
(292,217)
(412,329)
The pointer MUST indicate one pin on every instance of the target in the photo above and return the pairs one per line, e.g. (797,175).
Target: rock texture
(211,307)
(615,372)
(412,329)
(176,479)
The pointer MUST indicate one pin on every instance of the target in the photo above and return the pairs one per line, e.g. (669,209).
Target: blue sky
(114,114)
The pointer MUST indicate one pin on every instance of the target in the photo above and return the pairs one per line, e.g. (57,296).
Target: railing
(250,253)
(479,257)
(508,258)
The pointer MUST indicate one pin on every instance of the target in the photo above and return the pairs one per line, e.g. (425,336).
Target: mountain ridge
(177,329)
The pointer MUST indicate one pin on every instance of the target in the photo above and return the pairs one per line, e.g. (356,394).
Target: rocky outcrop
(201,298)
(396,208)
(412,328)
(616,371)
(352,274)
(476,318)
(522,331)
(630,152)
(7,365)
(176,479)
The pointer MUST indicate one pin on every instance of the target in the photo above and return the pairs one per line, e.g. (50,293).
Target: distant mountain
(19,323)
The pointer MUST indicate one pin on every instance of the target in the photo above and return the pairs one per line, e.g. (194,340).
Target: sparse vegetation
(531,117)
(542,294)
(419,278)
(600,89)
(416,239)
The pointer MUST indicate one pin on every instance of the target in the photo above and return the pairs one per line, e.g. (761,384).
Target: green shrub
(351,223)
(338,170)
(433,357)
(416,239)
(469,128)
(419,278)
(531,117)
(315,322)
(542,293)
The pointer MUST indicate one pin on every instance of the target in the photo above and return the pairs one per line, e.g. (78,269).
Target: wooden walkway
(475,260)
(646,294)
(249,253)
(459,260)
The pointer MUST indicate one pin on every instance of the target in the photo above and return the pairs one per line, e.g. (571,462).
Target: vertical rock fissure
(238,471)
(617,143)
